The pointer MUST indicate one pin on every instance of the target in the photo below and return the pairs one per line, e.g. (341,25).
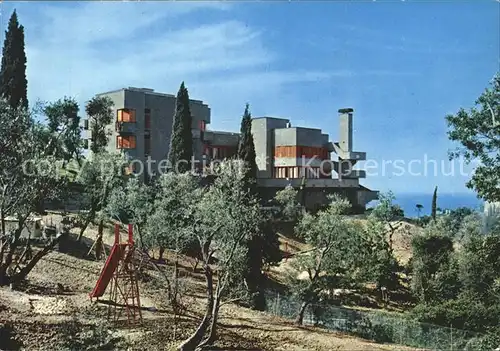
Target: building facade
(306,158)
(143,126)
(301,157)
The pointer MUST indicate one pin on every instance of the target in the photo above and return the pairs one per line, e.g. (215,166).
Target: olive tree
(94,176)
(132,203)
(337,253)
(99,176)
(170,224)
(379,232)
(29,172)
(387,212)
(225,218)
(287,199)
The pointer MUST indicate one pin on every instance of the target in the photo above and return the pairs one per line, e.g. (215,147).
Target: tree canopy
(13,82)
(246,149)
(29,165)
(181,140)
(478,133)
(100,112)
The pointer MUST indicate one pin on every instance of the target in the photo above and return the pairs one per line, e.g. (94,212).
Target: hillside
(369,297)
(53,304)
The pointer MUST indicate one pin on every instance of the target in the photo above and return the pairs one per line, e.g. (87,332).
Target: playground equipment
(120,273)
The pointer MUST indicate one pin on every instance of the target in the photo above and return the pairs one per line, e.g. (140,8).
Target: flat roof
(148,91)
(221,132)
(304,128)
(280,118)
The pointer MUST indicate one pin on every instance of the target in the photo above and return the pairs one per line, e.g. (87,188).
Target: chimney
(345,115)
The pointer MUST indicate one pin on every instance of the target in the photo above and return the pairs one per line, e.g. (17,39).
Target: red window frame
(126,115)
(126,142)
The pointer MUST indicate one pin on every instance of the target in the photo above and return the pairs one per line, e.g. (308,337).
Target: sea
(445,201)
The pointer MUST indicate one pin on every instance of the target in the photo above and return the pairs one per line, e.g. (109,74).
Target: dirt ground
(52,311)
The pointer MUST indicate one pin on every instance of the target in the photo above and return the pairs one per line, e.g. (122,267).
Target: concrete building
(285,155)
(143,125)
(300,156)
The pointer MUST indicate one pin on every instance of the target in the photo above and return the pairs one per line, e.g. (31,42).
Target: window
(301,151)
(147,145)
(147,118)
(286,151)
(283,172)
(125,115)
(125,142)
(312,172)
(298,172)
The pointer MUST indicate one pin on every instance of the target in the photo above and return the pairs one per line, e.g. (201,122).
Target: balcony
(310,183)
(125,121)
(126,142)
(125,127)
(346,155)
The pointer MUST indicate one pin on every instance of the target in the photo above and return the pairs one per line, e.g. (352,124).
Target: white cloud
(82,50)
(91,22)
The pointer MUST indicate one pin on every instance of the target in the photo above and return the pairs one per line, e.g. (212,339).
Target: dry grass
(56,296)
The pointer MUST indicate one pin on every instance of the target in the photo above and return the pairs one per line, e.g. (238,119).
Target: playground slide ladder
(119,273)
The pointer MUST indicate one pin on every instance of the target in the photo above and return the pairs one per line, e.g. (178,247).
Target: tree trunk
(5,264)
(175,278)
(3,239)
(391,235)
(195,265)
(27,269)
(160,255)
(212,336)
(300,317)
(82,230)
(169,286)
(194,340)
(40,206)
(141,242)
(2,218)
(99,244)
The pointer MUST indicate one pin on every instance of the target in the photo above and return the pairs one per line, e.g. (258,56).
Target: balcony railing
(125,127)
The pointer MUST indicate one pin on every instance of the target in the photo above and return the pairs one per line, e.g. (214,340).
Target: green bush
(488,342)
(383,333)
(462,313)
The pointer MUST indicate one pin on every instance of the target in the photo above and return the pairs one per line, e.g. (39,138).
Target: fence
(376,325)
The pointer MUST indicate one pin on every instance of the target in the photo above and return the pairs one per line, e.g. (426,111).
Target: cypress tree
(181,141)
(246,150)
(13,82)
(434,204)
(254,259)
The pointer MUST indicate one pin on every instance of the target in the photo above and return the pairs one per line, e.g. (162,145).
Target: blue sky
(401,65)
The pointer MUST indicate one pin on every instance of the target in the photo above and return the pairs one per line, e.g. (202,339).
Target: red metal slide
(109,268)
